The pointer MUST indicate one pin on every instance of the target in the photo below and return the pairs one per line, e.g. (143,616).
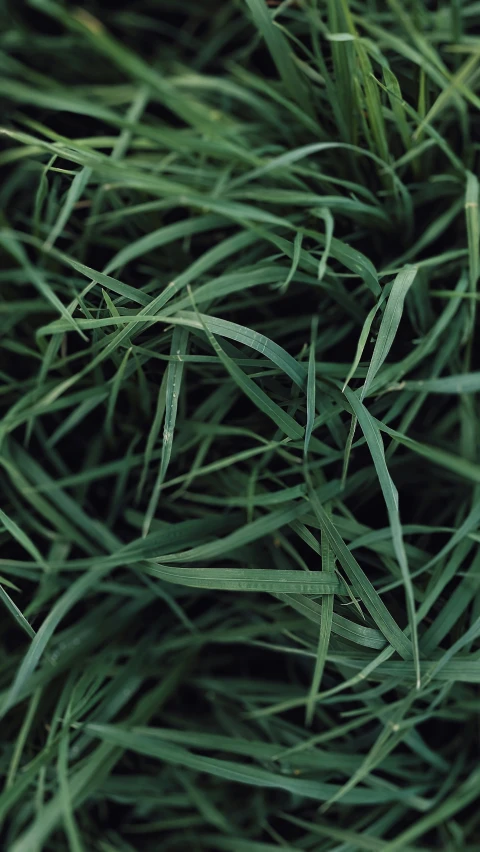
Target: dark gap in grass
(31,19)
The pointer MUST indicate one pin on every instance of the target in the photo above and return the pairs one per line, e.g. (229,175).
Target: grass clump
(238,447)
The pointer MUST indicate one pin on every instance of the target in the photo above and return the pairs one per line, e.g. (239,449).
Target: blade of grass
(390,494)
(173,386)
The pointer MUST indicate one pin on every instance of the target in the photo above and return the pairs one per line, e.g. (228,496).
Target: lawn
(239,419)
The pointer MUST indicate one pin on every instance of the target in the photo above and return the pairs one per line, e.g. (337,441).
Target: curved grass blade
(273,580)
(297,248)
(362,587)
(10,243)
(280,51)
(23,539)
(325,214)
(73,195)
(363,339)
(389,325)
(163,236)
(463,383)
(464,468)
(357,633)
(145,742)
(17,614)
(253,339)
(390,494)
(245,535)
(39,643)
(259,398)
(224,328)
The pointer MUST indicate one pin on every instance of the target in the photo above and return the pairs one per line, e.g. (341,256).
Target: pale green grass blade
(262,526)
(325,214)
(153,433)
(259,398)
(16,613)
(449,92)
(215,325)
(389,325)
(357,633)
(473,235)
(396,103)
(173,387)
(162,236)
(463,468)
(363,339)
(23,539)
(297,248)
(73,195)
(326,625)
(22,738)
(311,387)
(71,828)
(251,580)
(9,242)
(112,400)
(44,634)
(242,773)
(279,49)
(362,586)
(390,494)
(463,383)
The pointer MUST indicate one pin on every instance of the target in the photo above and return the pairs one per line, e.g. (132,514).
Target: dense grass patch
(239,382)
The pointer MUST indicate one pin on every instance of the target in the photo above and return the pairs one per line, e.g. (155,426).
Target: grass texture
(239,375)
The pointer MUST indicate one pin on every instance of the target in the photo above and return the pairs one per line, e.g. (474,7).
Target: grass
(239,376)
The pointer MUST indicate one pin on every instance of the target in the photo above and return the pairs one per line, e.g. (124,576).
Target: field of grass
(239,456)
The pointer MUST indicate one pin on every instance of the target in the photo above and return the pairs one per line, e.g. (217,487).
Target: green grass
(239,376)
